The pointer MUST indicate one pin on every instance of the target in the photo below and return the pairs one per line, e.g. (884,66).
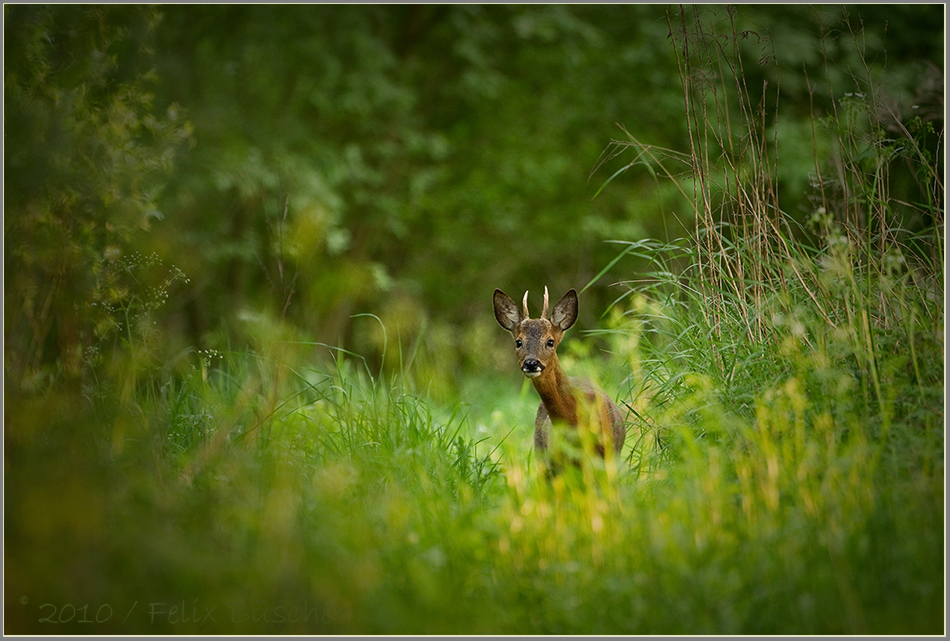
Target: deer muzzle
(532,368)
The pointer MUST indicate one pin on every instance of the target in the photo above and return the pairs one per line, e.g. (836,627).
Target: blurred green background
(305,165)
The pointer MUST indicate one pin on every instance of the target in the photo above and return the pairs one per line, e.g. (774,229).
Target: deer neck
(557,393)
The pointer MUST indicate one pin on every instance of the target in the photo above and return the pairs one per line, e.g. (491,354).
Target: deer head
(536,339)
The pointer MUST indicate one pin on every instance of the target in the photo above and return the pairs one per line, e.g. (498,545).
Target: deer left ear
(565,312)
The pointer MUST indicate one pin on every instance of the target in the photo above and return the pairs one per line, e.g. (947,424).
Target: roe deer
(574,403)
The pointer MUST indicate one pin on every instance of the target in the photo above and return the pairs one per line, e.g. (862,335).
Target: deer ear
(565,312)
(506,312)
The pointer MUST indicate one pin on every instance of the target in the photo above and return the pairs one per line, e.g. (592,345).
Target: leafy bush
(86,158)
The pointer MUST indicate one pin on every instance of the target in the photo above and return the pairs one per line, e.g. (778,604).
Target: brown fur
(564,401)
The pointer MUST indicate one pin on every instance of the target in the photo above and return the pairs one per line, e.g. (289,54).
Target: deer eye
(518,343)
(550,342)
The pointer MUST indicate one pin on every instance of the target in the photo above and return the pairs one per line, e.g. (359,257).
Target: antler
(524,304)
(544,310)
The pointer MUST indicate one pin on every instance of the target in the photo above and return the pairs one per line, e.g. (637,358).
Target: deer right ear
(506,312)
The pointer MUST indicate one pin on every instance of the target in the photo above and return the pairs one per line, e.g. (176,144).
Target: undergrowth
(783,471)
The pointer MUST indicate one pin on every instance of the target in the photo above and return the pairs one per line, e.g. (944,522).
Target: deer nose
(532,367)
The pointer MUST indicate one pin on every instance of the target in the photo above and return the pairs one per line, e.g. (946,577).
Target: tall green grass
(353,506)
(783,471)
(327,500)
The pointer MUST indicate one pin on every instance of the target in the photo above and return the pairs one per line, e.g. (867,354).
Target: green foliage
(282,405)
(781,378)
(85,158)
(358,153)
(391,160)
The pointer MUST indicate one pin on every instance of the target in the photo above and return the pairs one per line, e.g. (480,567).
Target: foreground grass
(236,494)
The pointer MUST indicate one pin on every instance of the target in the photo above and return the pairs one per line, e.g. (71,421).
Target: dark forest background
(221,172)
